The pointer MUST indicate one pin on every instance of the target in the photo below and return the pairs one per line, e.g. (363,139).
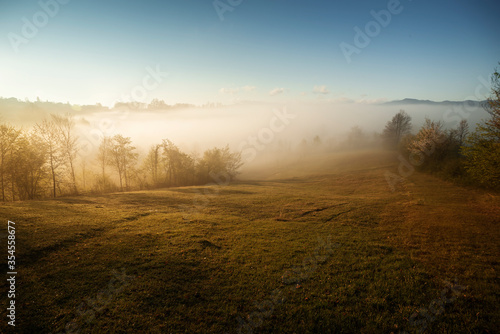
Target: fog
(259,126)
(263,133)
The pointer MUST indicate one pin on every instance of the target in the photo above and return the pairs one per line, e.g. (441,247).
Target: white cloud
(276,91)
(321,90)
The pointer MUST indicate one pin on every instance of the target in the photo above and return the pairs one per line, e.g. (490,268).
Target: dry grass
(210,270)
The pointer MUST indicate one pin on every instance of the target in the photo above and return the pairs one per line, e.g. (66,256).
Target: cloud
(321,90)
(236,90)
(276,91)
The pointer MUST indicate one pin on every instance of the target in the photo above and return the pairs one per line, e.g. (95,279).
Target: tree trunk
(75,190)
(53,176)
(53,183)
(120,177)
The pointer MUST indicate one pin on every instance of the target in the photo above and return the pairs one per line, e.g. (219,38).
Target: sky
(231,51)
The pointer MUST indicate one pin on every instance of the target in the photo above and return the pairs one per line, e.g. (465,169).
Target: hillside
(328,249)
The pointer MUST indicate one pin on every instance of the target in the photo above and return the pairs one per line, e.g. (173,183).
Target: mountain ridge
(407,101)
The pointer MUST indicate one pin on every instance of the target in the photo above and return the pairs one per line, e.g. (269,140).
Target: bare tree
(122,157)
(27,166)
(152,163)
(84,174)
(47,132)
(103,160)
(8,138)
(179,167)
(395,129)
(170,157)
(69,143)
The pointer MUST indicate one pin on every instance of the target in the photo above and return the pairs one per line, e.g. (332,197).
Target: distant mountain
(19,111)
(434,103)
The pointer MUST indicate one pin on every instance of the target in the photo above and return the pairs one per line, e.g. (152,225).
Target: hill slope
(328,249)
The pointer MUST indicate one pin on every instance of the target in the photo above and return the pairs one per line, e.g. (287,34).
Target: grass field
(322,249)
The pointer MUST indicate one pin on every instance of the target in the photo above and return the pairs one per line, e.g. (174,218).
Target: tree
(8,137)
(458,136)
(170,152)
(68,143)
(157,104)
(431,141)
(27,166)
(103,160)
(397,128)
(46,131)
(186,169)
(461,132)
(122,157)
(219,162)
(179,167)
(84,174)
(152,163)
(482,147)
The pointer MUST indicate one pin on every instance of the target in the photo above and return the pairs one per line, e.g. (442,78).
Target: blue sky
(271,51)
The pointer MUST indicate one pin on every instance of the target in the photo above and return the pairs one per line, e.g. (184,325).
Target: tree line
(42,162)
(459,154)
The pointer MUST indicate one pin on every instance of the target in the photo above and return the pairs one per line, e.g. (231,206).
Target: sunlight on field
(329,249)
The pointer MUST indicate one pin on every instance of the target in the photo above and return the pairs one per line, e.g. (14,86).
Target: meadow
(319,246)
